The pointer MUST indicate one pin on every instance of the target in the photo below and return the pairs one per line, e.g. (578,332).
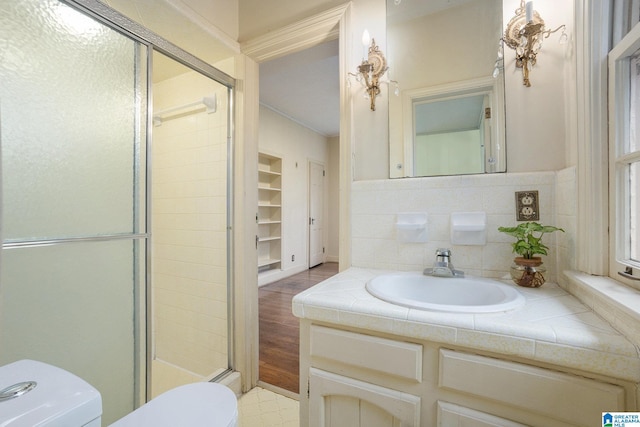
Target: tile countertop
(552,327)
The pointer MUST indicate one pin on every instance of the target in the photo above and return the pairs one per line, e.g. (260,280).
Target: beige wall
(370,129)
(539,117)
(452,45)
(296,145)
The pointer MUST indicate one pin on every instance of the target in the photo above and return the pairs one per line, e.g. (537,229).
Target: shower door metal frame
(118,22)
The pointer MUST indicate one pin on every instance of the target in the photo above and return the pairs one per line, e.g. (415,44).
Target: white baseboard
(331,258)
(275,275)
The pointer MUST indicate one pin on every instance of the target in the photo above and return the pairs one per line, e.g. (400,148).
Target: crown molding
(213,31)
(293,38)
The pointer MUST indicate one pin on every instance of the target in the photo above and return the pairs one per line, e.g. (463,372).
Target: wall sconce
(371,69)
(525,33)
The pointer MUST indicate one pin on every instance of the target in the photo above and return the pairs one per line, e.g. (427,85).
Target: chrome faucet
(443,266)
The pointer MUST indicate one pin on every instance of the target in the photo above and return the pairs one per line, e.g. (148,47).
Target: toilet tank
(37,394)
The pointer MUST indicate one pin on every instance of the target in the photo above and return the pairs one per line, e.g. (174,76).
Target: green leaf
(529,238)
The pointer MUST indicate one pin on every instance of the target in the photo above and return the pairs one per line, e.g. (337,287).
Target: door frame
(323,218)
(329,25)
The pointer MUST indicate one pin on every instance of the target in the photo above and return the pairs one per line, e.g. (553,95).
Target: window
(624,148)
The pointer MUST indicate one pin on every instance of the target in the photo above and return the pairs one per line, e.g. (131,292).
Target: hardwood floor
(279,329)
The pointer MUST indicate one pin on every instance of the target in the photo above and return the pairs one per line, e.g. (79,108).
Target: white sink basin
(452,294)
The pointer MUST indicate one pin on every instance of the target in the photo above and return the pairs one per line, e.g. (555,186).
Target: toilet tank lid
(195,405)
(60,398)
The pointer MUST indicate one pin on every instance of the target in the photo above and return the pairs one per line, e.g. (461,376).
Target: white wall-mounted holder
(207,103)
(412,227)
(469,228)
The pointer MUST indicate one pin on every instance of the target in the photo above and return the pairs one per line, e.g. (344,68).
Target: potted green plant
(528,270)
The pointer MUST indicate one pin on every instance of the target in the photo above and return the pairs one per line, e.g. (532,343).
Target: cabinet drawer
(387,356)
(455,415)
(566,397)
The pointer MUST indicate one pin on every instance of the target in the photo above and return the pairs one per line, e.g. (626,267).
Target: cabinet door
(337,401)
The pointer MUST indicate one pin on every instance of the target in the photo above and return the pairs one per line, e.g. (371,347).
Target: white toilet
(197,404)
(36,394)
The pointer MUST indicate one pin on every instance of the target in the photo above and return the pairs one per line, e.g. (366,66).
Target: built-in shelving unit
(269,239)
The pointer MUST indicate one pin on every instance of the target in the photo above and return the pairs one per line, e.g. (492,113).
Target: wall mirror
(449,115)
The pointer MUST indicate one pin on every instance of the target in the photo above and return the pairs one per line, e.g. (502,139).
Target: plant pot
(528,273)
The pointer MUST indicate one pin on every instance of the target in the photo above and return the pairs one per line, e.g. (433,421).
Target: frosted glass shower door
(72,114)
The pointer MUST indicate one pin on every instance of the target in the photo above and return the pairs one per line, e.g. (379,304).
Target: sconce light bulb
(366,38)
(496,73)
(529,11)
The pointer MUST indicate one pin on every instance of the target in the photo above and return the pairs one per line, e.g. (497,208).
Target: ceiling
(305,87)
(451,115)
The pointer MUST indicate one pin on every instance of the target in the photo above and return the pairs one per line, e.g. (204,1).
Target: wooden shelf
(268,239)
(268,222)
(270,199)
(267,262)
(268,172)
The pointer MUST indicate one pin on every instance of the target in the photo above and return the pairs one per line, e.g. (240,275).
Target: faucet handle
(443,252)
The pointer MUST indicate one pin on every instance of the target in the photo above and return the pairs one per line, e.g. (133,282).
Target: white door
(316,213)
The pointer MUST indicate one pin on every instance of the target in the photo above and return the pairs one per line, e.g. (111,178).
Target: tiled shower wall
(375,205)
(189,229)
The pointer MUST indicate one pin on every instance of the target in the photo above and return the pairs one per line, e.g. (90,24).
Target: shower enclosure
(92,234)
(189,226)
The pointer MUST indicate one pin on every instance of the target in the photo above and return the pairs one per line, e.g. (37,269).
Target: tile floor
(264,408)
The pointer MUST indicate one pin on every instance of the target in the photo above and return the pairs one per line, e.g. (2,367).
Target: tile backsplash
(376,203)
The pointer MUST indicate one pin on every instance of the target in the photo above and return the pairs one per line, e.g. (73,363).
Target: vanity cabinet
(364,378)
(336,399)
